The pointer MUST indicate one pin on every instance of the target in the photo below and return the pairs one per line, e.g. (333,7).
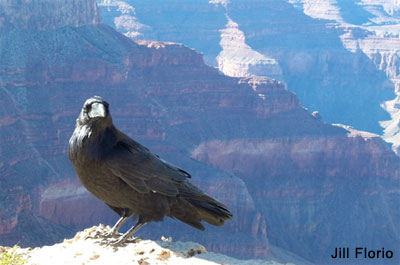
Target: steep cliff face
(339,57)
(304,185)
(385,53)
(370,26)
(344,86)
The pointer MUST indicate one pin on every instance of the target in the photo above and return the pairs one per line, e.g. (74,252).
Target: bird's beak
(98,111)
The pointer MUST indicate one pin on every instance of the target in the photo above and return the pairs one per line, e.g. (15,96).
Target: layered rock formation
(278,168)
(302,184)
(339,57)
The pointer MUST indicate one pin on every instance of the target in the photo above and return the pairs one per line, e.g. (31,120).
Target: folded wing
(144,171)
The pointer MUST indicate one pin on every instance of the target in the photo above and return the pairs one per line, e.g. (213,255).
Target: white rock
(87,248)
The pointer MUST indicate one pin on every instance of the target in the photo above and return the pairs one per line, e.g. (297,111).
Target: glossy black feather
(130,179)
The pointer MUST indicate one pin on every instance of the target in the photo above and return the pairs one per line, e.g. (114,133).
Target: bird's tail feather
(211,211)
(192,211)
(187,213)
(198,206)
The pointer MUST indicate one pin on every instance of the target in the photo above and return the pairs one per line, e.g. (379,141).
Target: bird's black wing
(144,171)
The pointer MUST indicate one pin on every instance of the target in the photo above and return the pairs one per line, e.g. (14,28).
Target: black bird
(131,180)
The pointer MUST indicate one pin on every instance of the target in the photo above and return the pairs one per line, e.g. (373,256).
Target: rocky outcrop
(164,251)
(47,14)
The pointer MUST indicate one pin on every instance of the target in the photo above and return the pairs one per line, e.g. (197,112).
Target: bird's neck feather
(98,140)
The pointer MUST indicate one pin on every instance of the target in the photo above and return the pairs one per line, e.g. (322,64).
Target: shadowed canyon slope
(287,176)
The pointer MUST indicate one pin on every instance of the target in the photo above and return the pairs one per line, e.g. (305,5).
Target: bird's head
(95,112)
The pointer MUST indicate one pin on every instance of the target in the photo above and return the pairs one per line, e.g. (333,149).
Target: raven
(133,181)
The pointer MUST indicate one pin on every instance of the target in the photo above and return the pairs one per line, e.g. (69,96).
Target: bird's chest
(89,153)
(99,181)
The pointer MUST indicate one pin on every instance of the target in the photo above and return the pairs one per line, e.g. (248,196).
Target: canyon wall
(339,57)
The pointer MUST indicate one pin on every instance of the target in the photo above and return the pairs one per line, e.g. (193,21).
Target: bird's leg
(117,226)
(122,239)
